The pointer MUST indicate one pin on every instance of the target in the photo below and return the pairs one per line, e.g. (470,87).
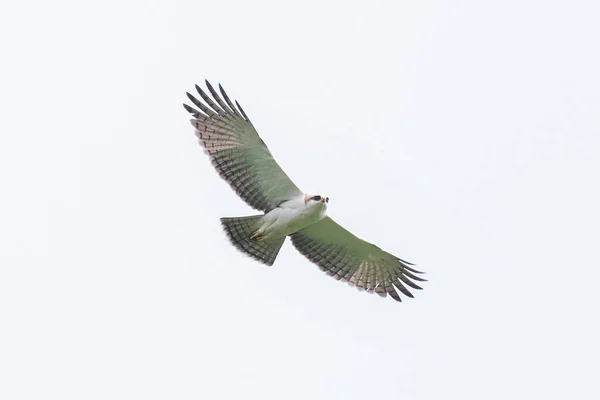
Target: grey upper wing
(351,259)
(237,152)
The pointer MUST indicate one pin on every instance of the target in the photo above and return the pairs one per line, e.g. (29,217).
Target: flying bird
(243,160)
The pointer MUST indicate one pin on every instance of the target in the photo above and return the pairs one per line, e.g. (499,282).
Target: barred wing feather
(237,152)
(348,258)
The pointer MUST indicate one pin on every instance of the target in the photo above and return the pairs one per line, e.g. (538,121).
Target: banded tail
(240,231)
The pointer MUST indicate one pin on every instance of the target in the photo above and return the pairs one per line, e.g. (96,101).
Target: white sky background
(463,137)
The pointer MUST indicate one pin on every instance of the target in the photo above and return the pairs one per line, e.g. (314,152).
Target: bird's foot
(258,236)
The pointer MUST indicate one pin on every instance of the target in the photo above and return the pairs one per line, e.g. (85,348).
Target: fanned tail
(241,232)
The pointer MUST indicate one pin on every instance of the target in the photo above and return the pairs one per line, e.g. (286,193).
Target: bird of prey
(243,160)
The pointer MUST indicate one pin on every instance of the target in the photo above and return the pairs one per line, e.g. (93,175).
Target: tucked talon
(257,236)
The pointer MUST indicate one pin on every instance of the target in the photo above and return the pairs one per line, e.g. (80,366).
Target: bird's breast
(289,220)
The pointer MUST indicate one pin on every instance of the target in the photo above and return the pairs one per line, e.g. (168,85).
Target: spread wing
(348,258)
(238,153)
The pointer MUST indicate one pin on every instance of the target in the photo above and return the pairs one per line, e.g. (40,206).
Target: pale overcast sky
(461,136)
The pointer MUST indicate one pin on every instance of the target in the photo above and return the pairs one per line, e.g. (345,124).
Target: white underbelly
(285,221)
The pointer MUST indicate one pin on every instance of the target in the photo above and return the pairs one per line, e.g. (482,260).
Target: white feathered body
(291,216)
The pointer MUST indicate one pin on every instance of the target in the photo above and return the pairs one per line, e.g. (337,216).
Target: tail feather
(240,230)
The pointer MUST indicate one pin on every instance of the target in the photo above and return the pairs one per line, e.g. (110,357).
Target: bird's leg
(257,235)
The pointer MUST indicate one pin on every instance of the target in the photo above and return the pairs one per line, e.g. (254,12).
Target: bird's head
(316,199)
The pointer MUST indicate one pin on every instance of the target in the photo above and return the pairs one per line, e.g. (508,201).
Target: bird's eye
(326,199)
(317,198)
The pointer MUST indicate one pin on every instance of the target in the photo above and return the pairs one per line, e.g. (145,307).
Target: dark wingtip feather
(394,295)
(190,110)
(208,100)
(218,99)
(416,271)
(405,262)
(242,111)
(406,266)
(209,86)
(402,288)
(412,276)
(411,283)
(198,103)
(228,101)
